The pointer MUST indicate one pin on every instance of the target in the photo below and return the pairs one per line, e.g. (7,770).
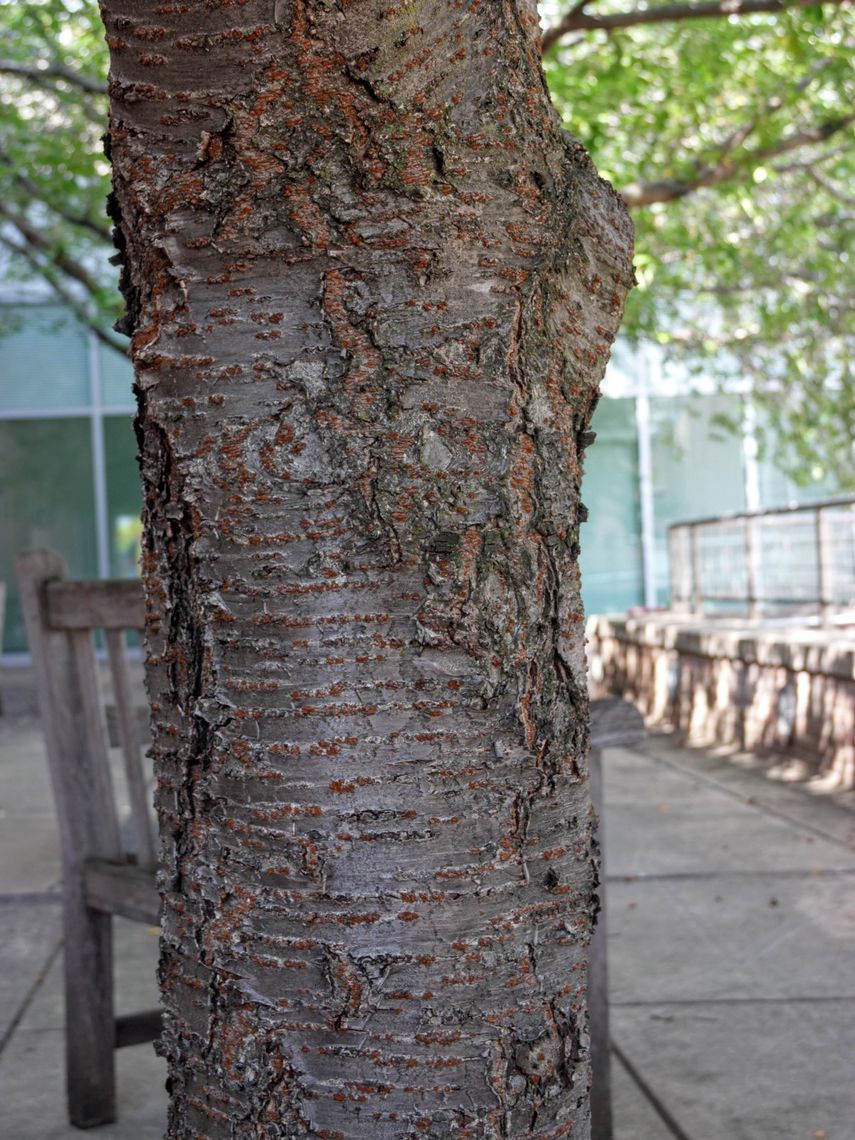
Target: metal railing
(798,560)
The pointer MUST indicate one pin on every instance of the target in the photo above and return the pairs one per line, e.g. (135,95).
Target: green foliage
(732,129)
(54,177)
(751,276)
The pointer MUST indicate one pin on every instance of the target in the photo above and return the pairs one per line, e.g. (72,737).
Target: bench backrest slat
(129,740)
(60,617)
(94,605)
(95,741)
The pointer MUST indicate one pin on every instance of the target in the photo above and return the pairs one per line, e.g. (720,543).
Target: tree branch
(65,295)
(61,90)
(669,190)
(806,164)
(829,187)
(54,70)
(102,232)
(578,20)
(61,260)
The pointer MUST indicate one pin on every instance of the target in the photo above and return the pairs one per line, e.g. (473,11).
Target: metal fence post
(823,568)
(780,550)
(695,564)
(677,569)
(752,566)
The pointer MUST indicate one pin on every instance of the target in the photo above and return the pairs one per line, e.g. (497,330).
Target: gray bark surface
(371,288)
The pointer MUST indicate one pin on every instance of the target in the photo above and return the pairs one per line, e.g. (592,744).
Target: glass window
(611,538)
(46,500)
(117,376)
(697,463)
(124,496)
(43,359)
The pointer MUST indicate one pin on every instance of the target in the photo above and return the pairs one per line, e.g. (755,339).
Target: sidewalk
(731,909)
(32,1065)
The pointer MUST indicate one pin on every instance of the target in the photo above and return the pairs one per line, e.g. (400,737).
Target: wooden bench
(102,875)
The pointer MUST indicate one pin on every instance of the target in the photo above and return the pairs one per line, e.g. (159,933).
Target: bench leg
(90,1028)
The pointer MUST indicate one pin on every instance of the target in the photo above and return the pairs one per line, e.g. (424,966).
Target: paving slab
(29,845)
(711,833)
(29,855)
(135,949)
(747,1070)
(632,778)
(633,1117)
(17,691)
(25,790)
(747,777)
(731,933)
(30,936)
(29,841)
(757,936)
(32,1091)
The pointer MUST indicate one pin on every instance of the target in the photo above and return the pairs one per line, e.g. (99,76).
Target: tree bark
(371,287)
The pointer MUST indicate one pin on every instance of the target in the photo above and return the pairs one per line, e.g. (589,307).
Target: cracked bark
(372,289)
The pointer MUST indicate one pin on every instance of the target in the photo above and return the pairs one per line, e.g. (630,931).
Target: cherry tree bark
(371,288)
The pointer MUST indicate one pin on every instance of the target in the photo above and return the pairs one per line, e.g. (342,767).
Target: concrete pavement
(731,908)
(32,1074)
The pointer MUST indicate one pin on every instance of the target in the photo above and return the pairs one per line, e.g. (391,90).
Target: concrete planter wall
(789,692)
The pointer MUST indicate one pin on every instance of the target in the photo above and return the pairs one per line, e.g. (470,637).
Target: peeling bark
(371,290)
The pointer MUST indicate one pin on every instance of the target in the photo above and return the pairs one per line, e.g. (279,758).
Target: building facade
(68,472)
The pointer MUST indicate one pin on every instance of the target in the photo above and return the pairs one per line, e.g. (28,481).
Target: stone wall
(758,689)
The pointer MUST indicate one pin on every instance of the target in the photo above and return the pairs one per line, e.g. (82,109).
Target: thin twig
(829,187)
(55,70)
(669,190)
(61,260)
(578,20)
(65,295)
(35,191)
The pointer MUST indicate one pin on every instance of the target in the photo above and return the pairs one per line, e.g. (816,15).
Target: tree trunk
(372,289)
